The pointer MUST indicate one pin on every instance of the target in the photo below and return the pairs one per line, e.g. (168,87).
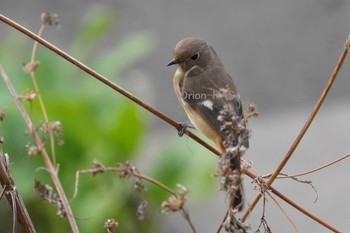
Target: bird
(205,89)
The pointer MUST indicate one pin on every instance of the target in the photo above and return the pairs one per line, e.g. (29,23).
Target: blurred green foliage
(97,124)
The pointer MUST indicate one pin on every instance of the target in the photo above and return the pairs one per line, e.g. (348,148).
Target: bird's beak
(172,62)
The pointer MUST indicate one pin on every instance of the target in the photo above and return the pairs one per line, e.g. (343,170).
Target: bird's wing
(208,91)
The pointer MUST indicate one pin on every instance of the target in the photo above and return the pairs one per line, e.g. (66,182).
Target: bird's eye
(195,56)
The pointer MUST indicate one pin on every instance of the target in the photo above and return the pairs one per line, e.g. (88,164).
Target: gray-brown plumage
(204,89)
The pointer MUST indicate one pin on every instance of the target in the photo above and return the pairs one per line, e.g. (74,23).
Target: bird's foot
(185,126)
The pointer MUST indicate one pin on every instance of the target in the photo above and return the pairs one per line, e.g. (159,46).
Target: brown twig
(292,203)
(284,212)
(304,211)
(43,109)
(303,130)
(127,170)
(48,164)
(316,169)
(185,214)
(14,198)
(287,200)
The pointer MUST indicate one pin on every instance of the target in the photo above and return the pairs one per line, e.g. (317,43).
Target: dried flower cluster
(235,143)
(141,210)
(111,225)
(229,164)
(33,150)
(47,193)
(29,96)
(50,19)
(175,202)
(30,67)
(127,170)
(97,167)
(54,127)
(231,224)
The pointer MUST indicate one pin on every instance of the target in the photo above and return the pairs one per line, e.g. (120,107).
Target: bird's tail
(236,191)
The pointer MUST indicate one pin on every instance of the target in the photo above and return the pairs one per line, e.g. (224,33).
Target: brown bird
(204,89)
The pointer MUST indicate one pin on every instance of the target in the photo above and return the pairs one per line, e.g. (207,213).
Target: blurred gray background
(281,54)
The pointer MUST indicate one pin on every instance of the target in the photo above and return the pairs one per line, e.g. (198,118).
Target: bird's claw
(183,129)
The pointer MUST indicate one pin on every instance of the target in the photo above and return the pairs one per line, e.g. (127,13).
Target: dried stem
(303,130)
(316,169)
(35,46)
(292,203)
(128,173)
(114,169)
(185,214)
(284,212)
(20,213)
(48,164)
(41,102)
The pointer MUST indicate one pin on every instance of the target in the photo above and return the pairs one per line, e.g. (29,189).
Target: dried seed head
(47,193)
(97,167)
(30,66)
(30,96)
(175,202)
(126,170)
(138,185)
(141,209)
(50,19)
(111,225)
(251,111)
(54,126)
(32,150)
